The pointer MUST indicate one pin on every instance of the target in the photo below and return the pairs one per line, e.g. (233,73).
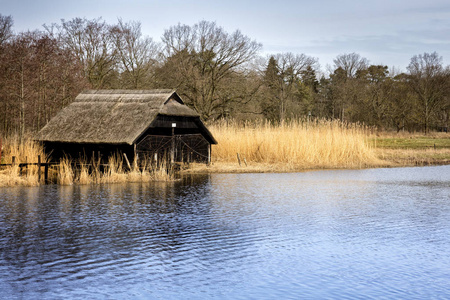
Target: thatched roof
(112,116)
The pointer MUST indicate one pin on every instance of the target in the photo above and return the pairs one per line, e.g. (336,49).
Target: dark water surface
(352,234)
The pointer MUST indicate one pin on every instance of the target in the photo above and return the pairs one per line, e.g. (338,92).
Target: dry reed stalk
(135,175)
(84,177)
(116,174)
(163,173)
(11,177)
(316,144)
(65,173)
(26,150)
(115,171)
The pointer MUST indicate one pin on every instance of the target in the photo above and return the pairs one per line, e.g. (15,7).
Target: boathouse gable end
(109,121)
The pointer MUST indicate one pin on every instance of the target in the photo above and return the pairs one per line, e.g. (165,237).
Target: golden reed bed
(293,145)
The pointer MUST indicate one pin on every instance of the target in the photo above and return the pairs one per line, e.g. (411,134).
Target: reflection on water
(379,233)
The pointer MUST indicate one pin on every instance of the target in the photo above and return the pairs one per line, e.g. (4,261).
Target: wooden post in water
(99,161)
(93,161)
(46,173)
(136,156)
(172,152)
(209,154)
(20,169)
(13,162)
(39,168)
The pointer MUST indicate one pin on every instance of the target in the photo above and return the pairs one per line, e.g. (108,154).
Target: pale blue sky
(386,32)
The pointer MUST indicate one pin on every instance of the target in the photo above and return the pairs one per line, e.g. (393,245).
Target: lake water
(341,234)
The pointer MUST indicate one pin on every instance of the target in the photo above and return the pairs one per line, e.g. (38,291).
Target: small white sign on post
(174,125)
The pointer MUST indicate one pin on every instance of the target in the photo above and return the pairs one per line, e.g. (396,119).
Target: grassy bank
(406,149)
(412,141)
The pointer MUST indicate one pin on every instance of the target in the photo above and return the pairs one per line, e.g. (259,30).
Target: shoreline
(234,168)
(355,152)
(388,158)
(228,168)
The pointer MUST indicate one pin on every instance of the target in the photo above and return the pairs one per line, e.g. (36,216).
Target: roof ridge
(125,91)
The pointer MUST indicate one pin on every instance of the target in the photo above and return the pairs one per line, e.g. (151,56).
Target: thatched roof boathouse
(140,123)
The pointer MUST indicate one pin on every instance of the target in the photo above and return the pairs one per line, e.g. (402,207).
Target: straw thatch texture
(112,116)
(175,108)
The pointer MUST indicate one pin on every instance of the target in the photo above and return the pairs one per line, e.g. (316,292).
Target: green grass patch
(411,143)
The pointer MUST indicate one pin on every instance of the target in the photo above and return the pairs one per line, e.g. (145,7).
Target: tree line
(220,74)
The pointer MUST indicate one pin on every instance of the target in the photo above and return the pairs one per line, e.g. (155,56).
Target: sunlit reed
(296,144)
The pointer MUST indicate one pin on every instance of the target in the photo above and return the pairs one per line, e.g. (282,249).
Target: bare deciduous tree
(200,58)
(351,63)
(38,79)
(430,82)
(137,56)
(6,23)
(91,43)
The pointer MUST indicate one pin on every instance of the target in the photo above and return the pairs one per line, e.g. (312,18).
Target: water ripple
(372,234)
